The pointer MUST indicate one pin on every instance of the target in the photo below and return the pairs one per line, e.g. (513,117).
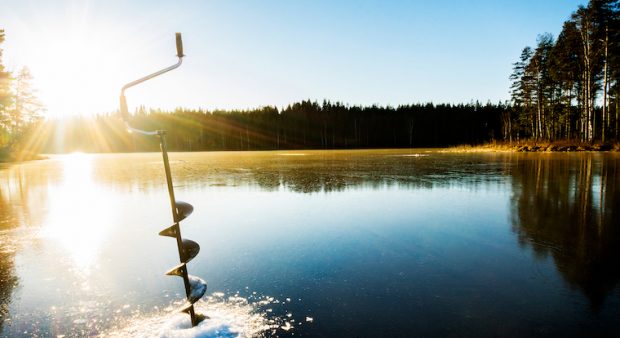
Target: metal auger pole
(175,217)
(195,287)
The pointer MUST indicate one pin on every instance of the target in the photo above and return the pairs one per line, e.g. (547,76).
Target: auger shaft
(164,152)
(175,216)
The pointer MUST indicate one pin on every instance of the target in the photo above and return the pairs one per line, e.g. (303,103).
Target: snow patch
(232,316)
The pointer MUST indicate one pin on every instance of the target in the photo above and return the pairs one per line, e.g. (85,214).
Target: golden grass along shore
(538,146)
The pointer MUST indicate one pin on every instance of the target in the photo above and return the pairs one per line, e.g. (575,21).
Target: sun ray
(35,142)
(101,143)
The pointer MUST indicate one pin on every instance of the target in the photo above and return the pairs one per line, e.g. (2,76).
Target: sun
(81,53)
(76,72)
(80,63)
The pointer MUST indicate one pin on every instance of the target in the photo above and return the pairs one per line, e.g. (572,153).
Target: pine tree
(6,98)
(27,107)
(564,71)
(587,26)
(538,70)
(521,92)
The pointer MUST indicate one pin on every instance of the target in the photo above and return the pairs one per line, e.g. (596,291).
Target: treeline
(20,109)
(302,125)
(568,88)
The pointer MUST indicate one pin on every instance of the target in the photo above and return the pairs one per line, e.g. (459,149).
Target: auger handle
(123,100)
(179,45)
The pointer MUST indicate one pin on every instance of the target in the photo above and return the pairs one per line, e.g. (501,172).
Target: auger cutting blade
(178,270)
(190,250)
(197,287)
(186,307)
(184,209)
(171,231)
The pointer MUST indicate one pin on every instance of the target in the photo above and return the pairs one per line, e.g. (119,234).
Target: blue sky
(243,54)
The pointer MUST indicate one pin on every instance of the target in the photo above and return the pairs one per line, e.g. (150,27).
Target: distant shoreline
(6,158)
(508,147)
(538,146)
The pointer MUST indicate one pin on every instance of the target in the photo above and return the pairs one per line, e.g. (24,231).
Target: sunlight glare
(76,80)
(81,212)
(78,66)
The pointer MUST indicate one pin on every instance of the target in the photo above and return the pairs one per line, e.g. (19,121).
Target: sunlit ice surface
(348,243)
(83,257)
(61,221)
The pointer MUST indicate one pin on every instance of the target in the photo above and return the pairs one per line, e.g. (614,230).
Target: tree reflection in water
(22,187)
(576,223)
(8,280)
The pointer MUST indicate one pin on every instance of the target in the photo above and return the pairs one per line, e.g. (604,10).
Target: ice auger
(195,287)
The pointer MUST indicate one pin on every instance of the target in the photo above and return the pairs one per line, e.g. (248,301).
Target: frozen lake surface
(315,243)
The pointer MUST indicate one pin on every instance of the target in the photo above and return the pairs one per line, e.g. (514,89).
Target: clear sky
(245,54)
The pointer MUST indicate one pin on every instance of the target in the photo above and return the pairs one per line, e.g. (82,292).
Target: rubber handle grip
(179,45)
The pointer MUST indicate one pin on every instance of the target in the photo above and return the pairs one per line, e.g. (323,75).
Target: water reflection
(8,280)
(81,213)
(54,219)
(308,171)
(568,208)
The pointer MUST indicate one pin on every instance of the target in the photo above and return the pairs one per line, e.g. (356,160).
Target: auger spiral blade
(187,307)
(171,231)
(195,317)
(184,209)
(179,270)
(198,288)
(190,250)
